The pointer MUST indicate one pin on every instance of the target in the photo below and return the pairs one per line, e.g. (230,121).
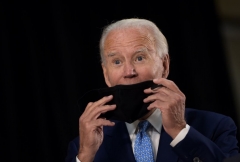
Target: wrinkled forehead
(128,37)
(128,32)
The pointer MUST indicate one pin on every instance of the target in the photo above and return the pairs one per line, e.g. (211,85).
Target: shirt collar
(155,119)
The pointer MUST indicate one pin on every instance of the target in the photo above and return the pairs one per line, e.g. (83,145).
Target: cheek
(154,71)
(145,73)
(114,76)
(157,70)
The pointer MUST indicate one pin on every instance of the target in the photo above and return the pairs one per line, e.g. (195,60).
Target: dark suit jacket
(235,158)
(211,138)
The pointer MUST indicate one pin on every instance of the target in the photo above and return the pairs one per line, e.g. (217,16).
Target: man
(134,51)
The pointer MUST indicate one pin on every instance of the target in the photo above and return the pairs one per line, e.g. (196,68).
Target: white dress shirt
(154,132)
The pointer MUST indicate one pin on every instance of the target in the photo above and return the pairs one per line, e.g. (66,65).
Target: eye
(116,62)
(139,58)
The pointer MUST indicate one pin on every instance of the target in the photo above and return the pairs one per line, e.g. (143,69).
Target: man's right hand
(91,128)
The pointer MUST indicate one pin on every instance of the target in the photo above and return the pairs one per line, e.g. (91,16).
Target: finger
(90,108)
(167,83)
(104,122)
(160,95)
(159,104)
(103,109)
(102,101)
(99,123)
(94,114)
(92,124)
(164,90)
(167,96)
(156,87)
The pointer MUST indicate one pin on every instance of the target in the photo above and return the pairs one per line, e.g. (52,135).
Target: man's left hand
(171,102)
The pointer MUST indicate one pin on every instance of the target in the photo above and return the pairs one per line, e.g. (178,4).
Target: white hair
(161,44)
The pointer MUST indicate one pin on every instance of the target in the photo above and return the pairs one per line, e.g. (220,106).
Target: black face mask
(128,100)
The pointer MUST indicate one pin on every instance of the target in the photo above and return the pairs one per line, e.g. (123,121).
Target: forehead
(128,38)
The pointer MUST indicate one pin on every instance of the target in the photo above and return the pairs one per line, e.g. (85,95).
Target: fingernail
(156,86)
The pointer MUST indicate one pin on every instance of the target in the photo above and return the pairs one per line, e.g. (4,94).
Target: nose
(129,71)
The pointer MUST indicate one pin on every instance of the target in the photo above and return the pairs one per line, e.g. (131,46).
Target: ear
(166,63)
(105,74)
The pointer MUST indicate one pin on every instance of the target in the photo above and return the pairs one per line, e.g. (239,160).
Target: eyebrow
(111,54)
(140,50)
(137,51)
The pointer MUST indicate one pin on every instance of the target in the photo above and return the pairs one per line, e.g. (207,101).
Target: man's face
(130,57)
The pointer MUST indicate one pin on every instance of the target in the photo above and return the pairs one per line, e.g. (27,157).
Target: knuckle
(184,98)
(169,105)
(178,99)
(171,82)
(81,119)
(89,104)
(87,124)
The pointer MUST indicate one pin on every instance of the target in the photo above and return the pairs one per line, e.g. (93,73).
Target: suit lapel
(118,143)
(165,151)
(119,147)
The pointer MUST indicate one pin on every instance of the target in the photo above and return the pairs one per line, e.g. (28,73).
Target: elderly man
(134,51)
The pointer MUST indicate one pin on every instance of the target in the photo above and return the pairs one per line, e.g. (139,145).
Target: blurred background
(228,13)
(49,58)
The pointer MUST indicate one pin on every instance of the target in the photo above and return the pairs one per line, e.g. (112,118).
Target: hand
(171,101)
(91,128)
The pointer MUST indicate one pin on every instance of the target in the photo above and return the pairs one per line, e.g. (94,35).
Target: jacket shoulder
(207,119)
